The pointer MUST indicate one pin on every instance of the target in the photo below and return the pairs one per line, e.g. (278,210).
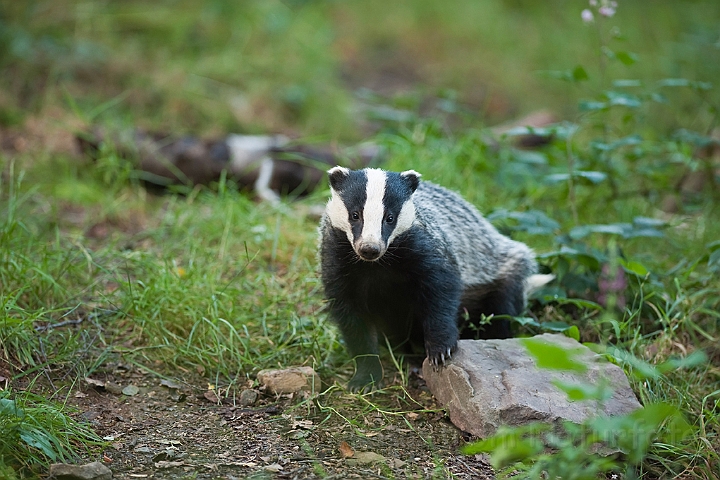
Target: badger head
(372,207)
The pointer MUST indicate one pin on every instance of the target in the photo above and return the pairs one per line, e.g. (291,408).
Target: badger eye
(355,216)
(389,218)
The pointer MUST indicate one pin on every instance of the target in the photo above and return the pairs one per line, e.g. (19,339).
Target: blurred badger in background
(271,165)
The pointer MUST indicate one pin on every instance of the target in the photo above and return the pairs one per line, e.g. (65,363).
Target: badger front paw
(438,354)
(368,374)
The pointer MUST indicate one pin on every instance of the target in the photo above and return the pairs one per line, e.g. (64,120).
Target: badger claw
(440,359)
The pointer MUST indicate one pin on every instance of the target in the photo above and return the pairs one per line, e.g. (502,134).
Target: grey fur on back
(482,254)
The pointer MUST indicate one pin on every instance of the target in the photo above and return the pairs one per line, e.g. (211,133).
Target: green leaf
(684,82)
(573,332)
(585,230)
(696,358)
(592,177)
(633,433)
(584,391)
(621,83)
(38,439)
(714,261)
(674,82)
(648,222)
(592,105)
(509,444)
(639,368)
(532,221)
(712,246)
(551,356)
(579,74)
(623,99)
(526,321)
(555,326)
(10,408)
(630,140)
(634,267)
(627,58)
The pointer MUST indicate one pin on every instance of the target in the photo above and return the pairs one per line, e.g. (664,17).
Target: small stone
(90,471)
(248,397)
(130,390)
(113,388)
(290,380)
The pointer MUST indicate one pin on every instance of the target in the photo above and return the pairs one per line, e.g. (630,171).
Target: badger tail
(535,282)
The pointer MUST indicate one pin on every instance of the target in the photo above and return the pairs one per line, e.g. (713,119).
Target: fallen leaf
(211,396)
(364,458)
(165,464)
(412,415)
(304,424)
(170,384)
(346,450)
(275,467)
(169,442)
(95,383)
(80,395)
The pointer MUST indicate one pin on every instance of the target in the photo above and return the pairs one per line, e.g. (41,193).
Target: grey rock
(489,383)
(91,471)
(290,380)
(248,397)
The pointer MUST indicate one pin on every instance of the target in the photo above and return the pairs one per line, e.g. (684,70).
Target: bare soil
(184,431)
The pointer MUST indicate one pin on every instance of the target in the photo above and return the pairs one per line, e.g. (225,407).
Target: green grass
(211,283)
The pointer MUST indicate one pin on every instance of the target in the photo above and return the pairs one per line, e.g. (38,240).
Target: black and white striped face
(372,207)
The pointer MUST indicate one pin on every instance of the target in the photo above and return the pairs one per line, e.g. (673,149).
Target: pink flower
(587,16)
(606,11)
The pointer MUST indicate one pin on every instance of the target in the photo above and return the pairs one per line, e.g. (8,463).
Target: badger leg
(438,302)
(501,298)
(362,344)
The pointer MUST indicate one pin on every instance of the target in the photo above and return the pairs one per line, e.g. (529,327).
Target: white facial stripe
(374,211)
(404,220)
(338,214)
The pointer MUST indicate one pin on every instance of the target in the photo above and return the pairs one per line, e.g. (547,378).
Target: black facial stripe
(397,192)
(354,195)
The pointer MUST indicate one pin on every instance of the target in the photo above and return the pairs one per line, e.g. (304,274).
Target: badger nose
(369,251)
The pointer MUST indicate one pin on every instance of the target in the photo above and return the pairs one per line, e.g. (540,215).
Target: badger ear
(337,176)
(412,178)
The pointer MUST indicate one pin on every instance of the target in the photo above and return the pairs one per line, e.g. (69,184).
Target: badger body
(410,261)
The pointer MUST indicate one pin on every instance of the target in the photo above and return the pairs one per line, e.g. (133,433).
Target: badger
(407,261)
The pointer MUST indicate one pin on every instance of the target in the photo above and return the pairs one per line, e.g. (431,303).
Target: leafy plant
(600,444)
(34,430)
